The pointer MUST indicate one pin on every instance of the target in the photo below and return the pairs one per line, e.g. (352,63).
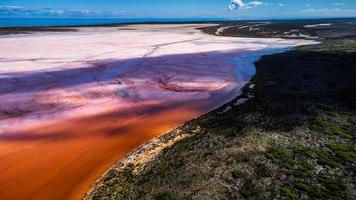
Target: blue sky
(241,9)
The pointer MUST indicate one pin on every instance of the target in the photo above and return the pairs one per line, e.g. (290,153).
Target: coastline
(264,133)
(137,160)
(6,30)
(154,21)
(94,135)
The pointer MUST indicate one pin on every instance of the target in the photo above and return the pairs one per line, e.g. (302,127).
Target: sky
(239,9)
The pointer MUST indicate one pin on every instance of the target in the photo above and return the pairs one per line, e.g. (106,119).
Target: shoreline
(137,160)
(8,30)
(267,124)
(115,73)
(222,22)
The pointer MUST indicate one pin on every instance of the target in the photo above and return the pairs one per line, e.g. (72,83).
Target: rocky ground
(290,135)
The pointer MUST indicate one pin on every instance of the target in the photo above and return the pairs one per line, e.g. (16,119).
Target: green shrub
(301,172)
(281,156)
(249,191)
(327,159)
(330,128)
(165,196)
(263,171)
(237,174)
(333,185)
(313,190)
(326,107)
(320,154)
(343,151)
(305,151)
(290,195)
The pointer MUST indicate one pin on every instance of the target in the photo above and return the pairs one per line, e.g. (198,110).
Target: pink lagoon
(74,103)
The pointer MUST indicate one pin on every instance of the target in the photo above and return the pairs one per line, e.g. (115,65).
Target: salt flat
(72,104)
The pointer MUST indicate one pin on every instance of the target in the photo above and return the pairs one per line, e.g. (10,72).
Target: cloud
(239,4)
(338,4)
(22,11)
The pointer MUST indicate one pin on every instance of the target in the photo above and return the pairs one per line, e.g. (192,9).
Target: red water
(63,160)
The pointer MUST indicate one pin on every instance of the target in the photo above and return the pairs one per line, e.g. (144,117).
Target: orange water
(63,161)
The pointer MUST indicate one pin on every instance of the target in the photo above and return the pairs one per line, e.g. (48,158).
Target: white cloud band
(24,11)
(241,5)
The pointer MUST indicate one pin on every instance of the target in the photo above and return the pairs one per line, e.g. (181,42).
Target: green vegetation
(343,151)
(289,193)
(346,46)
(326,107)
(330,128)
(165,196)
(334,185)
(295,168)
(250,190)
(325,158)
(281,156)
(237,174)
(309,152)
(314,190)
(263,171)
(327,189)
(301,172)
(331,110)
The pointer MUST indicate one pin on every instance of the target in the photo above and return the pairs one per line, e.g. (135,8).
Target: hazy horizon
(38,22)
(237,9)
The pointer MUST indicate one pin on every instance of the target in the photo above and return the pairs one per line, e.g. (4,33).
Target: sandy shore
(74,103)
